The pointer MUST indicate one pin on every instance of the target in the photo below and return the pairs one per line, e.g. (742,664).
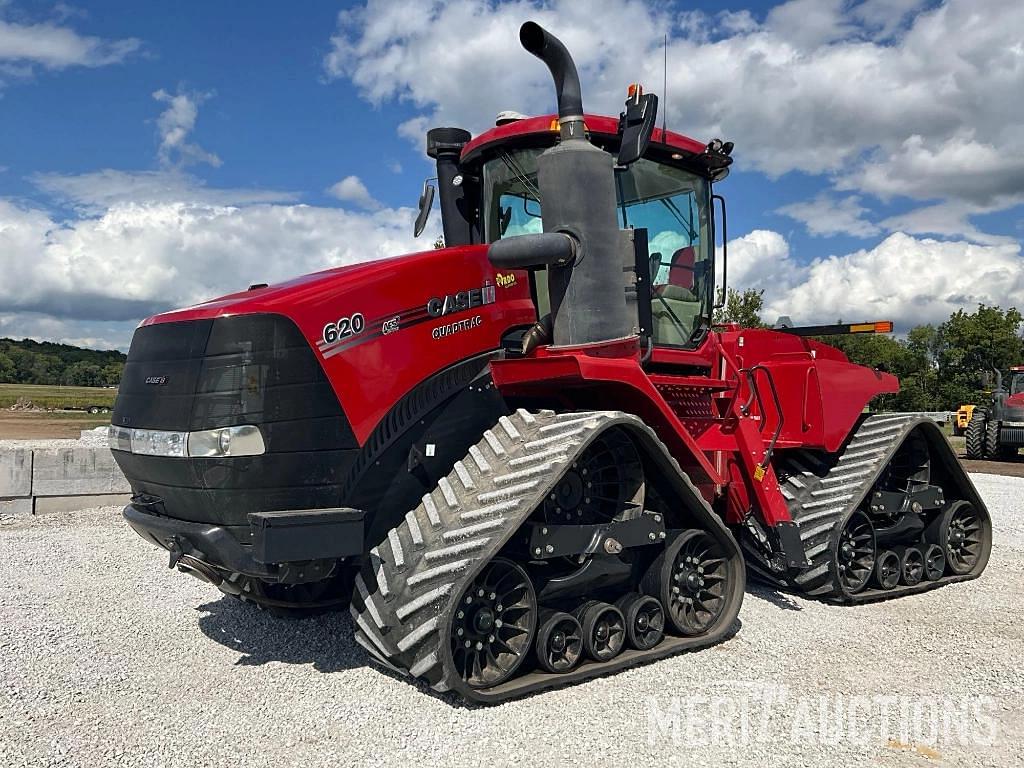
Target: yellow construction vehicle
(963,418)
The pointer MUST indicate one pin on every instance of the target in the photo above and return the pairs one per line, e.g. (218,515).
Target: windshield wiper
(521,177)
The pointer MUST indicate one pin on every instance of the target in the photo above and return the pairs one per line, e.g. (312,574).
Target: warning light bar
(840,329)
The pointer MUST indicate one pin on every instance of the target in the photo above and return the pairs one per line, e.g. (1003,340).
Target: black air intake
(577,186)
(445,145)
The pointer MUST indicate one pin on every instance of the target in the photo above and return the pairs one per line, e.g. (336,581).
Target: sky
(154,155)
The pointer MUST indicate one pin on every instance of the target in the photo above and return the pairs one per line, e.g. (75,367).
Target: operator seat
(675,305)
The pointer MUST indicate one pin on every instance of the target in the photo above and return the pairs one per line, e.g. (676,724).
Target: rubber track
(405,593)
(820,500)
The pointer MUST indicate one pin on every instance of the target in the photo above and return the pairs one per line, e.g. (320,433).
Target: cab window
(670,203)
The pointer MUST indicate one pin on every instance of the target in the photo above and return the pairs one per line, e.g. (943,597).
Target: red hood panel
(382,327)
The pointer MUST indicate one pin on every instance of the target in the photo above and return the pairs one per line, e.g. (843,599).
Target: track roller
(690,578)
(559,643)
(911,565)
(645,620)
(494,624)
(887,569)
(964,535)
(934,562)
(855,552)
(604,629)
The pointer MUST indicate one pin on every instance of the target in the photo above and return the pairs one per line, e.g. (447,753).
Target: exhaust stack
(577,186)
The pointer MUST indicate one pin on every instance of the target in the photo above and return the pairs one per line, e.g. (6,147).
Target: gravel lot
(107,658)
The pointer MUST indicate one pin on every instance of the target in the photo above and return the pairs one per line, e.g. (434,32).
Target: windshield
(1016,383)
(670,203)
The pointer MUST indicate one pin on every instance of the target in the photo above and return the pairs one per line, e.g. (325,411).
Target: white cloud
(352,190)
(176,123)
(52,46)
(824,216)
(905,279)
(95,192)
(761,259)
(808,24)
(135,259)
(946,220)
(891,97)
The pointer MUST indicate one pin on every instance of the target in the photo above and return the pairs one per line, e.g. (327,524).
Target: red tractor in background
(529,457)
(996,431)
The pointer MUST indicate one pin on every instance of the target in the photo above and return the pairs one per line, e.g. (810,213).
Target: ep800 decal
(343,328)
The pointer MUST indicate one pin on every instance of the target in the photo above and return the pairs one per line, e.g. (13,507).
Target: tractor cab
(1016,383)
(667,192)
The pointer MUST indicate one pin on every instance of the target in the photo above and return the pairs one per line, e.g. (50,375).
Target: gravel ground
(107,658)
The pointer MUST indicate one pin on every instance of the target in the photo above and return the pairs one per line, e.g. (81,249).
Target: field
(55,422)
(47,425)
(56,397)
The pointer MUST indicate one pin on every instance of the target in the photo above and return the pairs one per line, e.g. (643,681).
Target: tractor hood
(376,329)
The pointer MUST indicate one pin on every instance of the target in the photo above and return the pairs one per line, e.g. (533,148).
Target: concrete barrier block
(16,473)
(77,472)
(15,507)
(49,504)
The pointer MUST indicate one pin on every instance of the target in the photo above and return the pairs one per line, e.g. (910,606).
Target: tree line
(44,362)
(940,367)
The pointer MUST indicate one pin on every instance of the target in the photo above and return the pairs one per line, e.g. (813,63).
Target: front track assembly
(544,558)
(893,513)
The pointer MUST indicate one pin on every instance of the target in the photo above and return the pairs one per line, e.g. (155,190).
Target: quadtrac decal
(352,330)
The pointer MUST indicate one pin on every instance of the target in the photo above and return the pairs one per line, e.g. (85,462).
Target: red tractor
(530,458)
(997,430)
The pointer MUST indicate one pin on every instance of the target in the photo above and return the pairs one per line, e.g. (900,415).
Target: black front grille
(1011,435)
(250,369)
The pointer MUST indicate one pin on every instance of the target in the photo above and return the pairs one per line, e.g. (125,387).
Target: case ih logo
(457,302)
(156,381)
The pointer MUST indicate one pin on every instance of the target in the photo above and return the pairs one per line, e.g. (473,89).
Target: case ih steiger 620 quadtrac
(529,457)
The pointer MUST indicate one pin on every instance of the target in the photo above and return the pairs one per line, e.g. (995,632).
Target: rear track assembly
(828,498)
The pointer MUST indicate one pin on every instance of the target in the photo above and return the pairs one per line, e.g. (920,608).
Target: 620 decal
(346,326)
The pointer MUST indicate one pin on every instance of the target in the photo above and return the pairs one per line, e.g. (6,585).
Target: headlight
(228,441)
(152,442)
(211,443)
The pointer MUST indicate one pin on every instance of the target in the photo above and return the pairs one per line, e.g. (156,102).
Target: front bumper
(276,540)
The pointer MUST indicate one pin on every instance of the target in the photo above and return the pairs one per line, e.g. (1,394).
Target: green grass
(46,396)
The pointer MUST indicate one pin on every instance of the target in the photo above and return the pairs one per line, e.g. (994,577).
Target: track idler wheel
(911,566)
(559,642)
(963,534)
(645,620)
(855,553)
(691,579)
(887,569)
(934,562)
(604,629)
(494,623)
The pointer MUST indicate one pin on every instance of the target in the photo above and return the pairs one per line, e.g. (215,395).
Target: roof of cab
(599,124)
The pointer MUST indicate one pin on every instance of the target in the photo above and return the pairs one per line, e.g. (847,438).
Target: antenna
(664,92)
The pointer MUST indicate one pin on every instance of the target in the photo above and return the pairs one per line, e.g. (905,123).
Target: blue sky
(153,155)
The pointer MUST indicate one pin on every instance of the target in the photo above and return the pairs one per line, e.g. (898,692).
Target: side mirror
(425,204)
(636,125)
